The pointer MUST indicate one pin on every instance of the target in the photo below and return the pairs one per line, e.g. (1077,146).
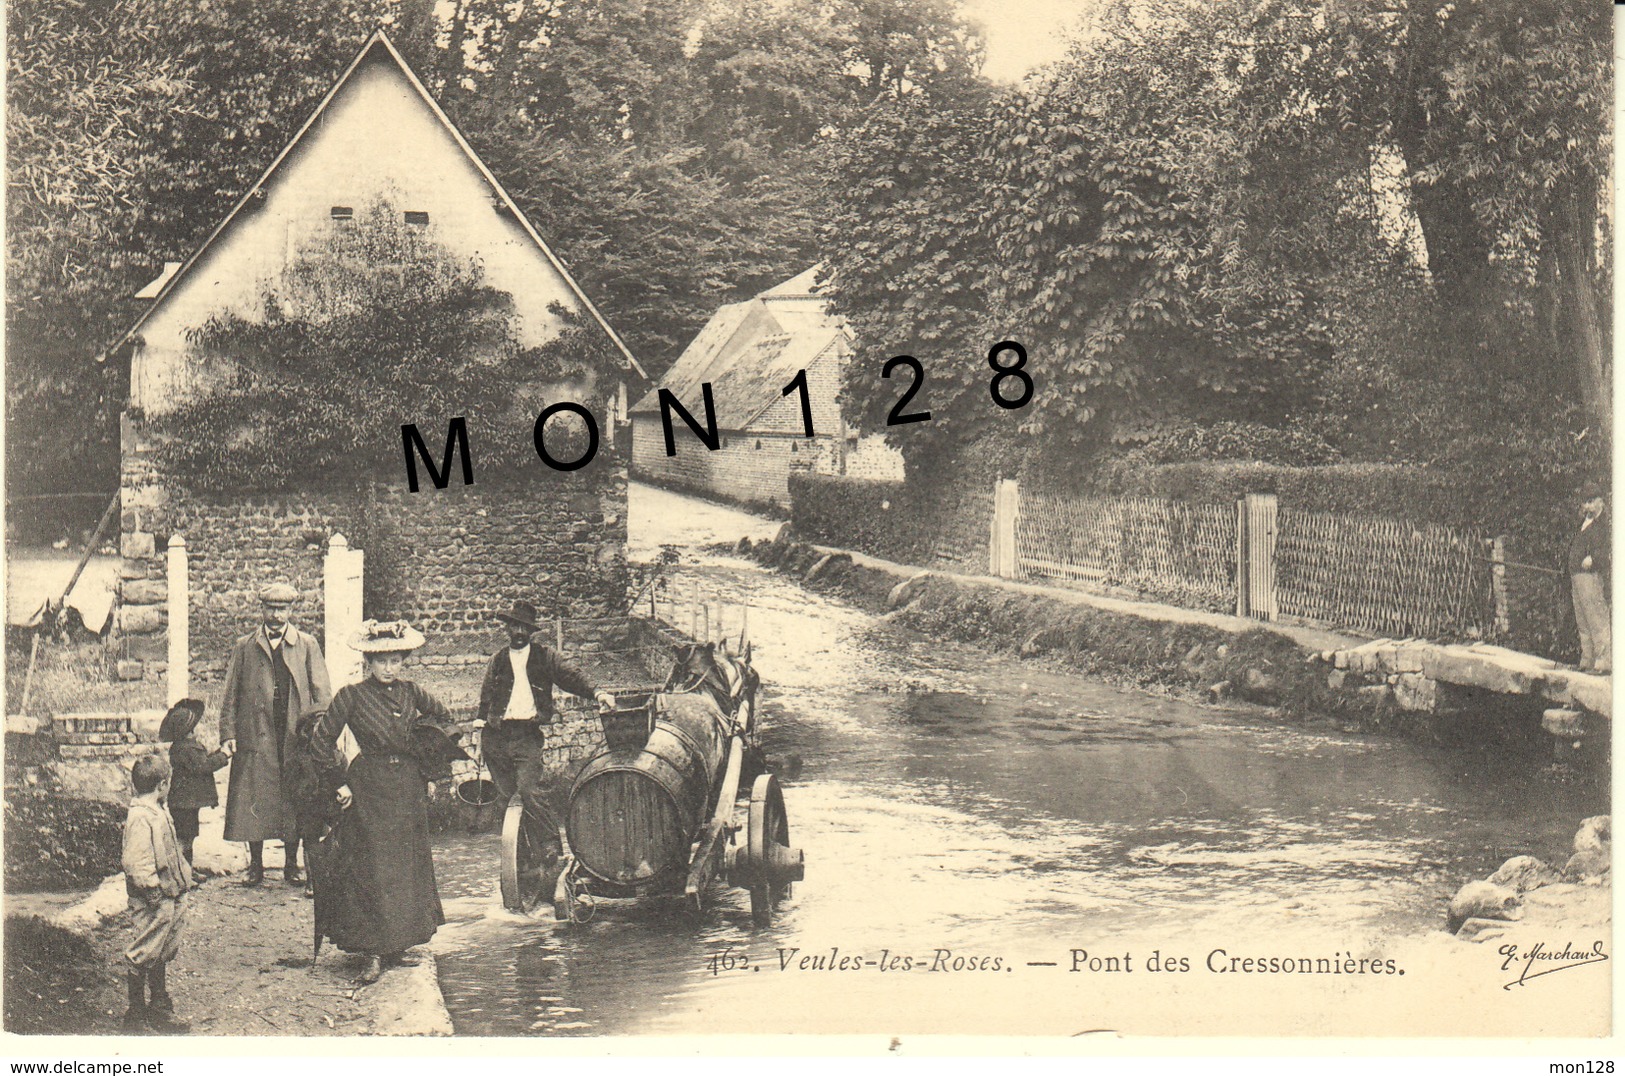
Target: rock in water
(1588,866)
(1594,835)
(1523,873)
(1483,900)
(907,590)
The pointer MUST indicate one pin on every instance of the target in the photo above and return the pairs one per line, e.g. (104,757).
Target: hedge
(1538,511)
(882,518)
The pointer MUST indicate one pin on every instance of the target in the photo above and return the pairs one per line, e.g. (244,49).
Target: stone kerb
(96,750)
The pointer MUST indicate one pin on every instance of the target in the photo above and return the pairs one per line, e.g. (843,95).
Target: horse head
(726,678)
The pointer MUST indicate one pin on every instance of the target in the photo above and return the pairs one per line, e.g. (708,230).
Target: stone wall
(607,653)
(443,559)
(755,465)
(872,458)
(748,467)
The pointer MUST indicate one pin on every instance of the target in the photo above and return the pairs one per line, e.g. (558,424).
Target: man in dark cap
(1588,579)
(275,675)
(516,703)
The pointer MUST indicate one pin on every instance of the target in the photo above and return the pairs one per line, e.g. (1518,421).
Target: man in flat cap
(275,675)
(516,703)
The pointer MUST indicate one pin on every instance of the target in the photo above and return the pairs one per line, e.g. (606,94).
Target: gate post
(1255,556)
(1001,551)
(179,595)
(342,572)
(1502,607)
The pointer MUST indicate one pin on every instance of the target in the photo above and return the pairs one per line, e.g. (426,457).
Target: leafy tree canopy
(1377,227)
(668,149)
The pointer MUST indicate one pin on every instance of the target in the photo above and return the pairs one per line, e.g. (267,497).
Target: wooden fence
(1261,560)
(1175,552)
(1383,576)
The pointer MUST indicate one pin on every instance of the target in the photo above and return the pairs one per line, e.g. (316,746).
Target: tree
(85,84)
(668,149)
(1259,211)
(131,127)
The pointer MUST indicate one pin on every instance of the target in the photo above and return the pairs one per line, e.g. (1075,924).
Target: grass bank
(1202,657)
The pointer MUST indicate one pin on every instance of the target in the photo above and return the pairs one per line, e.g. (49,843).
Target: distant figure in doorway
(192,787)
(516,705)
(275,676)
(1588,578)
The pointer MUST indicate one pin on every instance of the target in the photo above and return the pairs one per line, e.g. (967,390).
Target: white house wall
(376,139)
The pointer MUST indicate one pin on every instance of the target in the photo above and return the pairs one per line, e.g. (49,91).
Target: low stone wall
(444,559)
(577,732)
(748,467)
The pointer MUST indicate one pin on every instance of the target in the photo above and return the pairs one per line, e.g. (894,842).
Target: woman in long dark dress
(377,893)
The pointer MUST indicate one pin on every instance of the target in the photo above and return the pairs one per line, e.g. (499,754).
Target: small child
(194,767)
(311,792)
(156,879)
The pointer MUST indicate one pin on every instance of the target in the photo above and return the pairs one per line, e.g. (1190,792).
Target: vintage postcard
(1064,521)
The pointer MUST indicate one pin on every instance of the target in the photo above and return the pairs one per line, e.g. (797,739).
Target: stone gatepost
(342,572)
(180,622)
(143,589)
(143,593)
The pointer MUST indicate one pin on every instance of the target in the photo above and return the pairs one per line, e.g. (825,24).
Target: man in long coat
(275,674)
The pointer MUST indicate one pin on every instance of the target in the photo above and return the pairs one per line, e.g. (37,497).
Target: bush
(57,843)
(369,330)
(1225,440)
(881,518)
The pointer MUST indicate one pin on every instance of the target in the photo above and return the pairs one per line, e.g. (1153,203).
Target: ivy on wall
(373,326)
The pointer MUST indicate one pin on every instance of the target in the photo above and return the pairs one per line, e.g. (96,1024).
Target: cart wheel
(530,859)
(769,826)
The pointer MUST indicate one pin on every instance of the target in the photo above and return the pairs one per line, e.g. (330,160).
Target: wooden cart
(656,810)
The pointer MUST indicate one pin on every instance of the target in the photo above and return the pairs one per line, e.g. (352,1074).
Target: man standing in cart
(516,703)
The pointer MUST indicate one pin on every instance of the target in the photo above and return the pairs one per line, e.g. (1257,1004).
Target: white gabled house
(377,138)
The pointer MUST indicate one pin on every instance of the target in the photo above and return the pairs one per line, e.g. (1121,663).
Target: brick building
(446,558)
(748,352)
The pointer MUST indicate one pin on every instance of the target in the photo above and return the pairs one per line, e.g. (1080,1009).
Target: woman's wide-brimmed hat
(386,637)
(523,614)
(181,720)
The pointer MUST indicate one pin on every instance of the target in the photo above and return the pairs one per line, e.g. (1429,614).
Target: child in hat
(194,768)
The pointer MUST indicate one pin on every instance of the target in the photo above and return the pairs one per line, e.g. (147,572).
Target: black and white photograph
(1082,522)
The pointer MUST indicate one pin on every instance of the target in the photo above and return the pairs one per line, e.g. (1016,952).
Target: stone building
(748,352)
(445,559)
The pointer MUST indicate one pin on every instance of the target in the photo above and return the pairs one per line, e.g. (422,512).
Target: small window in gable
(758,446)
(417,218)
(792,446)
(342,212)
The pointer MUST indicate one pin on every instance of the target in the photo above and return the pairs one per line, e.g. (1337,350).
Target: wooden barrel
(634,813)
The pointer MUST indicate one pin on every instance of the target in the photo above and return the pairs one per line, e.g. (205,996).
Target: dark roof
(749,351)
